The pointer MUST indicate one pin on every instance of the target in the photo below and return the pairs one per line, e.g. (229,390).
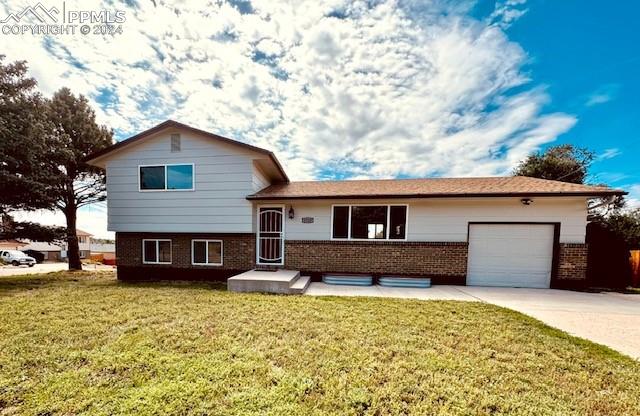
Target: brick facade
(238,256)
(572,265)
(443,262)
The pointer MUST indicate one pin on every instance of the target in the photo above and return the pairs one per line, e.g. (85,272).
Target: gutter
(258,197)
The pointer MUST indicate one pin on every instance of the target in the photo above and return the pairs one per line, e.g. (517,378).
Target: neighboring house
(106,250)
(84,244)
(11,245)
(185,203)
(51,252)
(55,252)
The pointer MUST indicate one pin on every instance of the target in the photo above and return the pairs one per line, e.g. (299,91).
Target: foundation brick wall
(444,262)
(238,255)
(572,262)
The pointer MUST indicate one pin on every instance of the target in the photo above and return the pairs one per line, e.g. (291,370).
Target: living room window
(156,251)
(369,222)
(178,177)
(206,252)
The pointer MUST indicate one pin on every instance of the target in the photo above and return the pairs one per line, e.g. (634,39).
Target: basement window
(156,251)
(206,252)
(369,222)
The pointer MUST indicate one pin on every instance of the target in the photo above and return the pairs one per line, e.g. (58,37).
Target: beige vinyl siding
(447,219)
(223,177)
(259,179)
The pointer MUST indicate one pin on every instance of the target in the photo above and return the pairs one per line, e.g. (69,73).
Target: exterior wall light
(291,213)
(526,201)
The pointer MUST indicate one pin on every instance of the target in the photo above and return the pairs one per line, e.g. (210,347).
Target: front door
(270,235)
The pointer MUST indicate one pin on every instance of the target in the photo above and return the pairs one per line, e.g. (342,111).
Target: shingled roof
(519,186)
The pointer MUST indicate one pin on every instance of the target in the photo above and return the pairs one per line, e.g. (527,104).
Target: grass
(633,290)
(83,343)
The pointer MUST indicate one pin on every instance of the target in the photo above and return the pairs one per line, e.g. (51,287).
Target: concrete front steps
(282,281)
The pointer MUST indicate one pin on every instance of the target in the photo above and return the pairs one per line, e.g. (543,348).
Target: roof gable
(95,158)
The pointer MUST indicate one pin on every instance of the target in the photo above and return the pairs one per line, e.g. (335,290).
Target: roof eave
(256,197)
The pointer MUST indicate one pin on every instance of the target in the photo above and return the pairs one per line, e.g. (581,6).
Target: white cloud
(633,199)
(603,94)
(507,12)
(610,153)
(334,87)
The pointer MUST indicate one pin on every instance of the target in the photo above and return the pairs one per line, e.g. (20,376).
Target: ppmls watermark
(40,20)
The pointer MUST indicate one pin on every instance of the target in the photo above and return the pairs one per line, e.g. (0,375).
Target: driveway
(611,319)
(45,268)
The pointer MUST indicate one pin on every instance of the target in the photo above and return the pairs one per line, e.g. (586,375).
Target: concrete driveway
(44,268)
(611,319)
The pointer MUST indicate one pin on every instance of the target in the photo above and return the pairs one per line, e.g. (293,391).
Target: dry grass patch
(83,343)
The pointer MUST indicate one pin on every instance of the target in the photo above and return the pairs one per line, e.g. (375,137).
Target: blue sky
(364,89)
(588,57)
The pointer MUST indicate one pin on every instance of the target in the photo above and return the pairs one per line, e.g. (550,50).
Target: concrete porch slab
(277,281)
(279,275)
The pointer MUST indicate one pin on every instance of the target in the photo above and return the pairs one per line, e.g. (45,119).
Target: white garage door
(514,255)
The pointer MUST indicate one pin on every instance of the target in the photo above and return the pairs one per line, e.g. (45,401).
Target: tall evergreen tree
(43,144)
(75,135)
(24,141)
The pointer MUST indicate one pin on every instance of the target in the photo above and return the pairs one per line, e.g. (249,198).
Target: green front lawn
(84,343)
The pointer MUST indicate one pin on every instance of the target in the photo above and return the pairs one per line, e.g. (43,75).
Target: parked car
(35,254)
(17,258)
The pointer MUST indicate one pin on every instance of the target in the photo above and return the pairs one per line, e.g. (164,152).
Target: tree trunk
(73,248)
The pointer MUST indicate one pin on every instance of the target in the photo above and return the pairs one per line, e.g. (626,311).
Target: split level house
(188,204)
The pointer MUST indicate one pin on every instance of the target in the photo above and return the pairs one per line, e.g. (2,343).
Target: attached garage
(510,255)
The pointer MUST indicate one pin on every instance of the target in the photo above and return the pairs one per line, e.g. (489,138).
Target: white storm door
(270,248)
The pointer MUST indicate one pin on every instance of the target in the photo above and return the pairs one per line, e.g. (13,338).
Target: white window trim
(165,165)
(284,222)
(157,241)
(197,240)
(406,223)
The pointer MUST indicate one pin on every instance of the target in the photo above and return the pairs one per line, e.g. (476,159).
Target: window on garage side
(206,252)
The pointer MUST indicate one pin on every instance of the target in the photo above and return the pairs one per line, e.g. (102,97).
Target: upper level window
(369,222)
(166,177)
